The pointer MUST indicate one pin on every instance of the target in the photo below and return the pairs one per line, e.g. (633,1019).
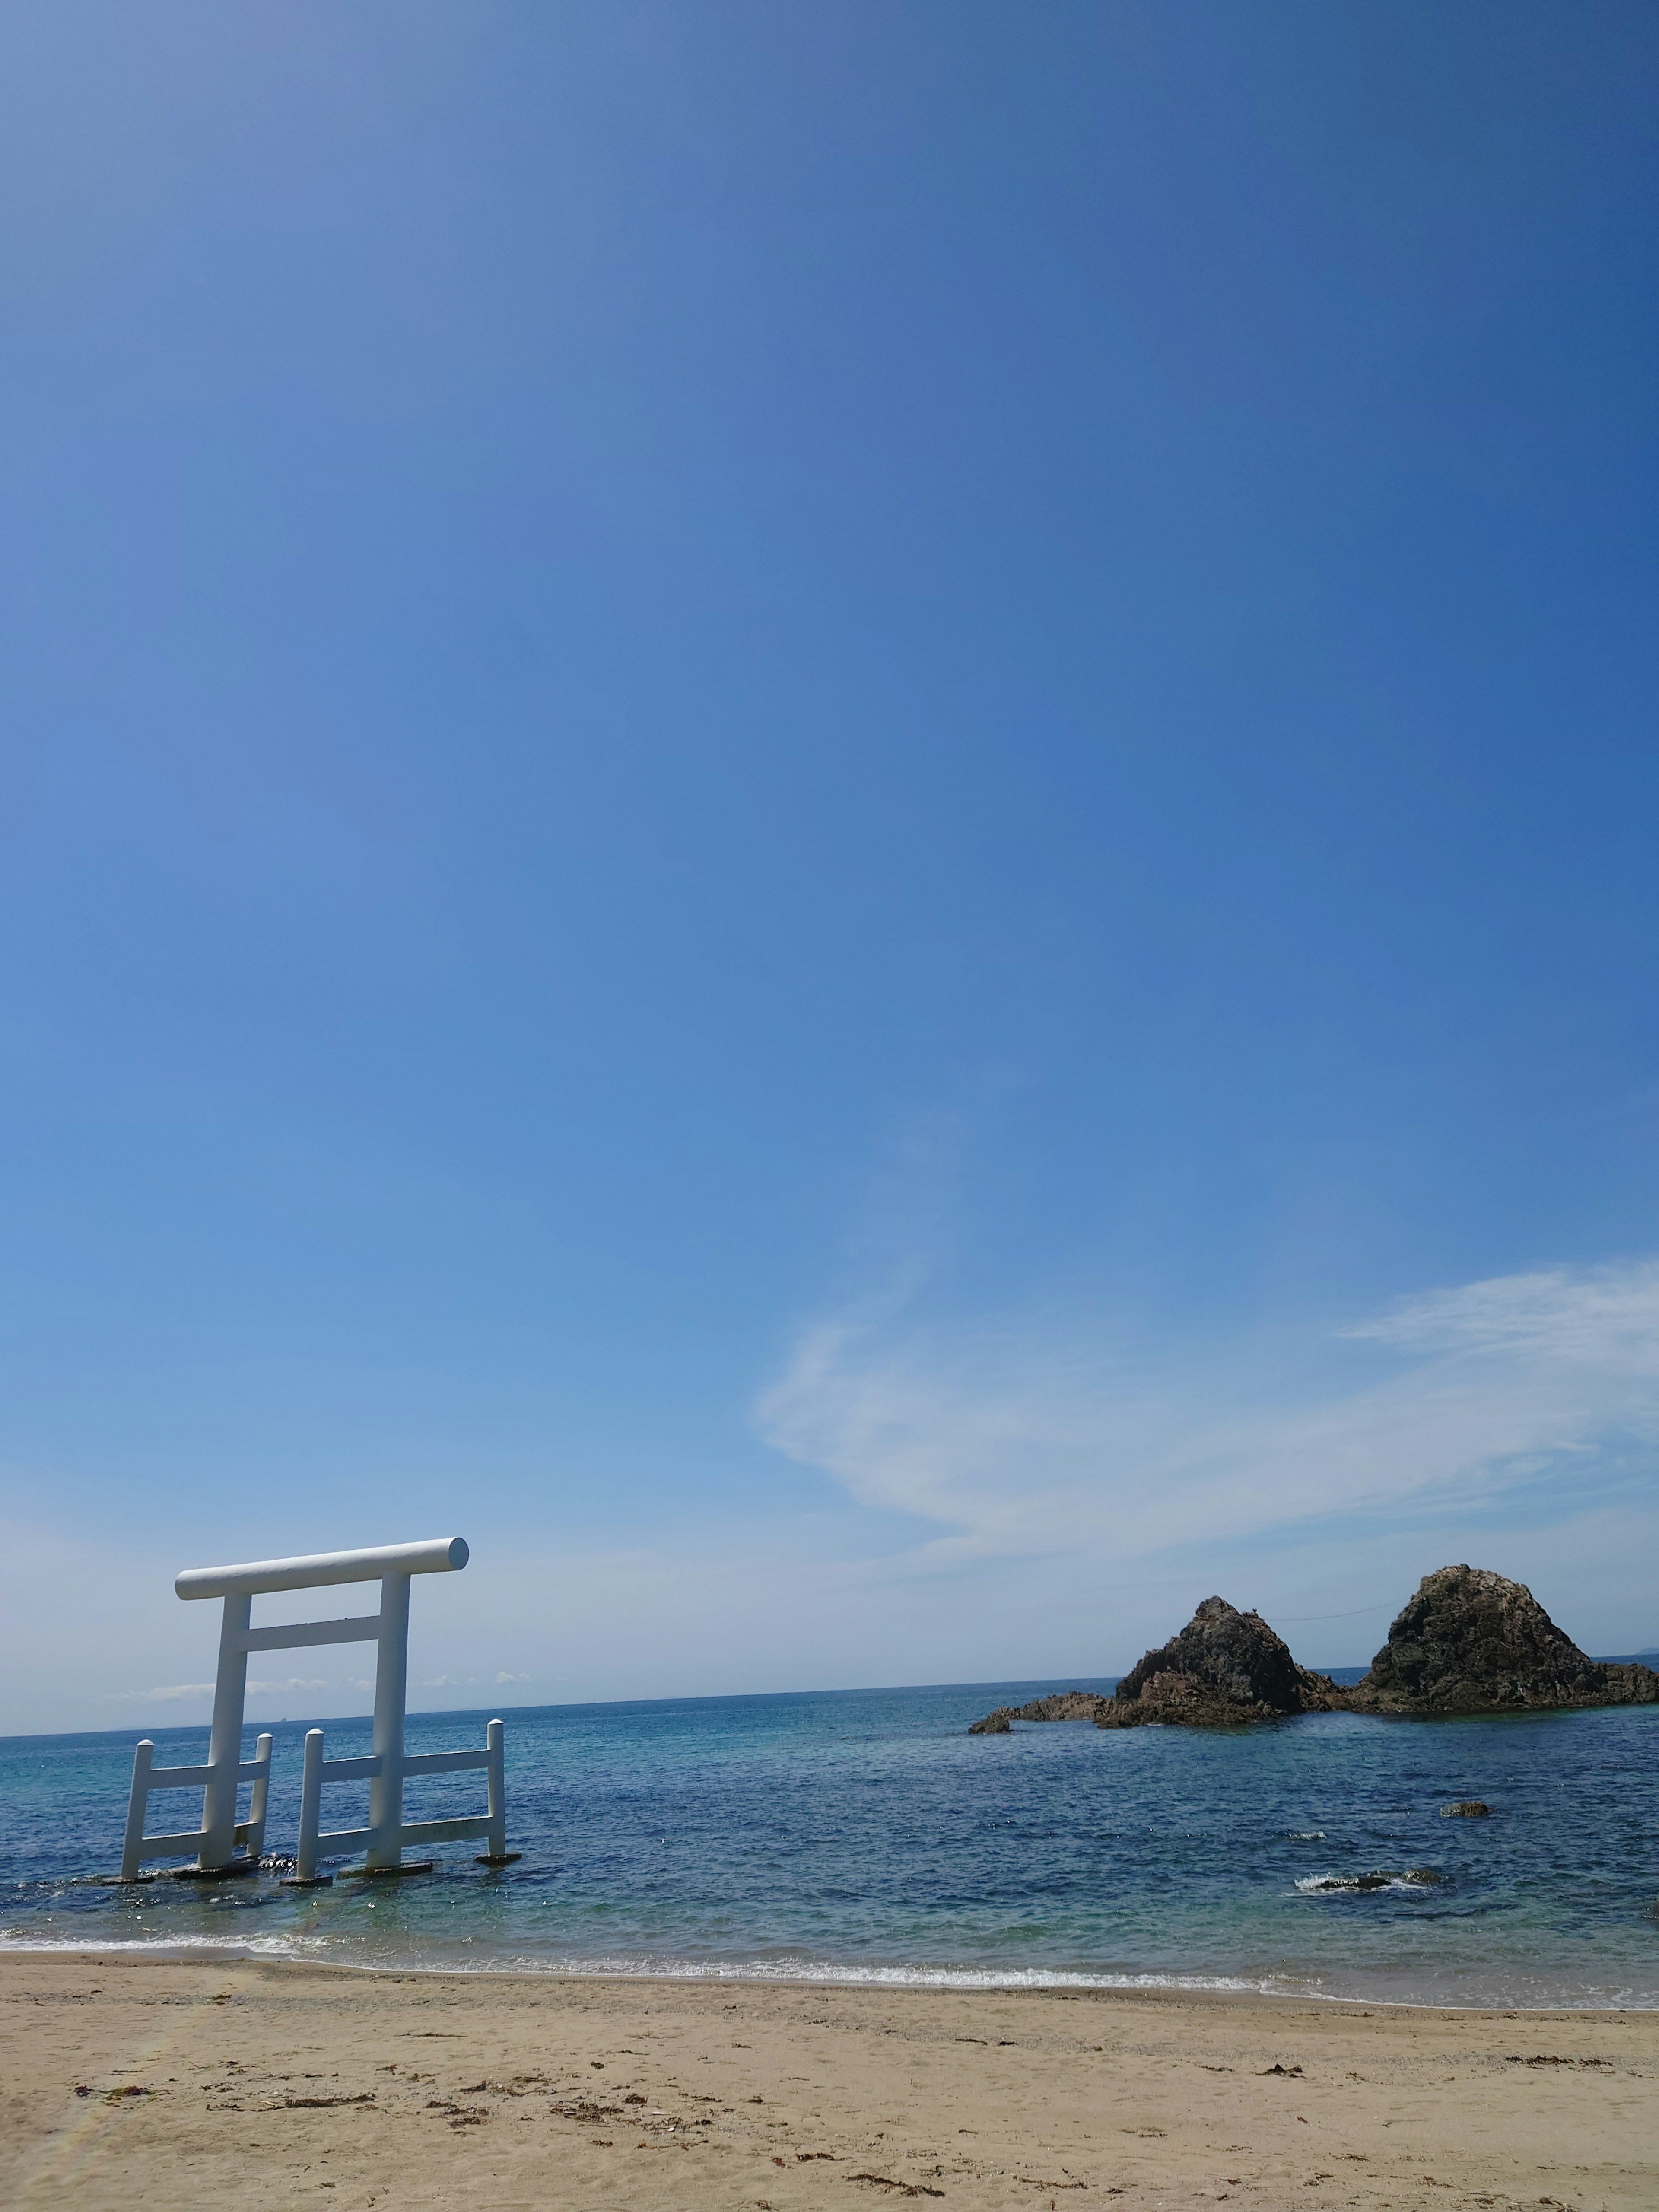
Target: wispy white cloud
(1066,1494)
(511,1678)
(167,1694)
(1024,1437)
(1605,1318)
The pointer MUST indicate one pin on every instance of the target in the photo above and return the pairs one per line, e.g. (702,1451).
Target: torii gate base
(387,1833)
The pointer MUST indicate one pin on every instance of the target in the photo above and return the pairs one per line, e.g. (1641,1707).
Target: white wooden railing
(147,1776)
(384,1838)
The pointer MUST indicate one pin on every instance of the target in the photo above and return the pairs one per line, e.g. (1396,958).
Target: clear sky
(842,816)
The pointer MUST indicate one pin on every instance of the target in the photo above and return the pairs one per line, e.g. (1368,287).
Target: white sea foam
(155,1946)
(919,1977)
(649,1967)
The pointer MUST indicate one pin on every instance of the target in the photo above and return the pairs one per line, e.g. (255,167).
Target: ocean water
(864,1836)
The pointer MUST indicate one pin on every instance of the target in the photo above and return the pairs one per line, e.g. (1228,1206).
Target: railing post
(137,1803)
(225,1738)
(495,1774)
(386,1791)
(256,1811)
(495,1780)
(310,1805)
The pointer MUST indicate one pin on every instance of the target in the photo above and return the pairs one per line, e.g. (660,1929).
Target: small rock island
(1473,1642)
(1469,1641)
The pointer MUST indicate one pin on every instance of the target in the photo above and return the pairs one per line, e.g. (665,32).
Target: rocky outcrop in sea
(1225,1669)
(1473,1642)
(1063,1705)
(1469,1642)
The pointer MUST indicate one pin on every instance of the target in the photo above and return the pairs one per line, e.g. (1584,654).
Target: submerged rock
(1328,1884)
(1225,1669)
(1469,1808)
(1471,1642)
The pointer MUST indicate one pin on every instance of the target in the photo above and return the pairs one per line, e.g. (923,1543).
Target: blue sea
(864,1836)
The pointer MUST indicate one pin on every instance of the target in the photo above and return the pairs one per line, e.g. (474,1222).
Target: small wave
(652,1967)
(1305,1835)
(1328,1885)
(153,1946)
(822,1971)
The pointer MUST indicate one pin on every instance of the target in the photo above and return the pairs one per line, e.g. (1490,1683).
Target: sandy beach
(130,2082)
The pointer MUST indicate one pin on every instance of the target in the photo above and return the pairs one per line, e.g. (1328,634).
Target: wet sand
(139,2083)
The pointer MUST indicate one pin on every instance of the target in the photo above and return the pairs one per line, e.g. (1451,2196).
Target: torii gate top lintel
(434,1555)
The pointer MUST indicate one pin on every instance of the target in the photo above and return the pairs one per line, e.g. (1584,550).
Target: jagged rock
(1060,1705)
(1224,1669)
(1470,1808)
(1473,1642)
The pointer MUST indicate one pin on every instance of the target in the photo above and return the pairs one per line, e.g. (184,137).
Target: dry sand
(140,2082)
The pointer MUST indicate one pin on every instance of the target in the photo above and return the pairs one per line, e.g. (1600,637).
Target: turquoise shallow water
(863,1835)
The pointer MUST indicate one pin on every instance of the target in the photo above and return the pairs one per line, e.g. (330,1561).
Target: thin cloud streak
(1018,1439)
(174,1690)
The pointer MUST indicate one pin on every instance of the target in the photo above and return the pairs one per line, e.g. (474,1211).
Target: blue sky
(843,817)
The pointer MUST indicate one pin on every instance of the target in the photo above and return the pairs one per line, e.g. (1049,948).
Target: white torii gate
(385,1769)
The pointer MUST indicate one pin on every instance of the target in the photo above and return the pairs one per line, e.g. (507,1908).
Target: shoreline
(136,2078)
(876,1981)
